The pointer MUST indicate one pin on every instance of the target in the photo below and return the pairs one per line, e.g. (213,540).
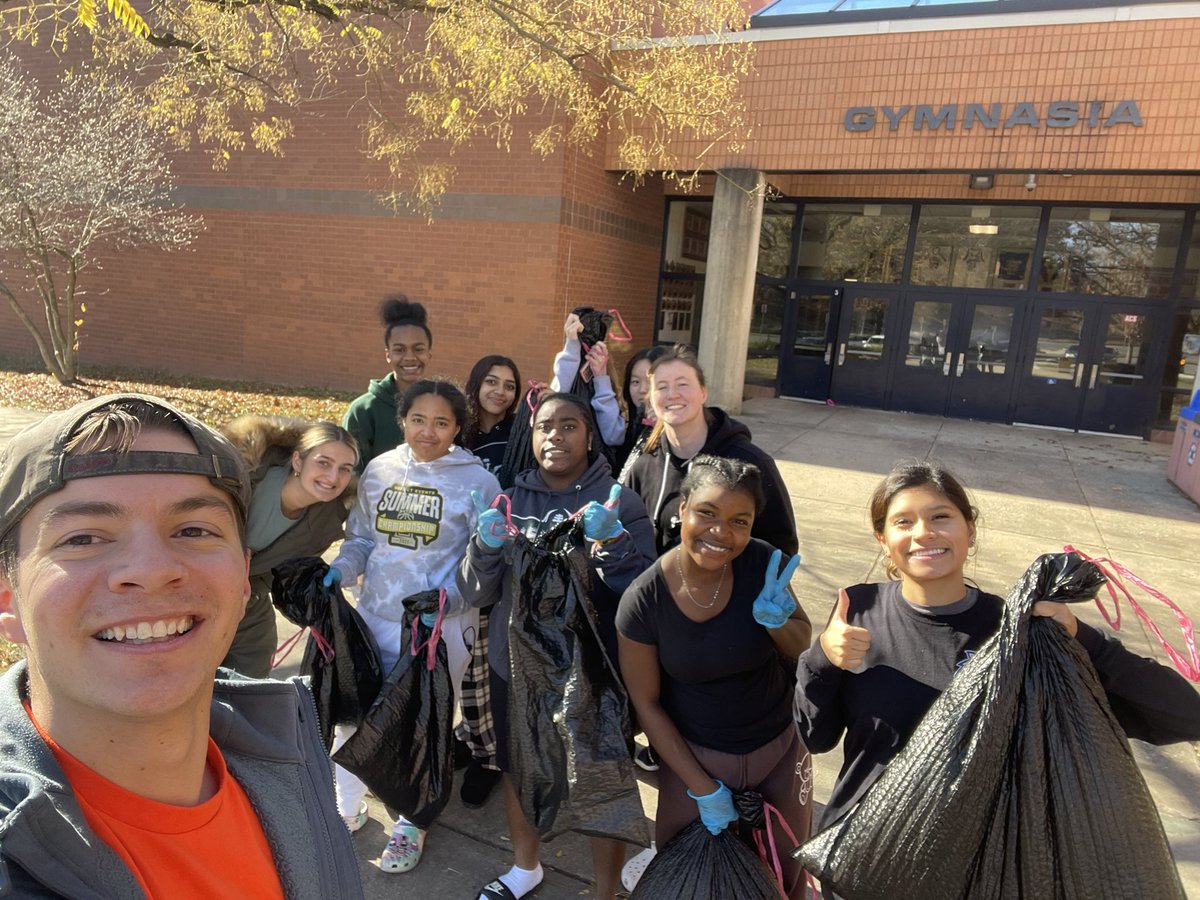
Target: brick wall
(804,85)
(283,284)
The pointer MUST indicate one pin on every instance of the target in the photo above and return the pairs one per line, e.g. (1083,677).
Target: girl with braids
(408,348)
(708,637)
(570,475)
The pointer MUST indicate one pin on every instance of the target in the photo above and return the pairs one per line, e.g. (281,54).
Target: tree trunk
(44,351)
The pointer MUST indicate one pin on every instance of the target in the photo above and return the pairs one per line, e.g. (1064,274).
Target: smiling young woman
(685,427)
(493,393)
(890,649)
(302,476)
(406,534)
(408,350)
(570,476)
(708,637)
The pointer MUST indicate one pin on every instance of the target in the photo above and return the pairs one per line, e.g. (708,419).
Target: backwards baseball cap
(35,462)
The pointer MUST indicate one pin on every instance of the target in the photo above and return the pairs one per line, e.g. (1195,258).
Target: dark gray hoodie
(484,574)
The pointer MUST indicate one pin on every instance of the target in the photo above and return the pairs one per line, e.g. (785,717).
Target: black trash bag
(569,722)
(402,750)
(346,683)
(1018,782)
(518,453)
(695,865)
(596,323)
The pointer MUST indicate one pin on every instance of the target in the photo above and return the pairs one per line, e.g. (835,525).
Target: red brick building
(978,209)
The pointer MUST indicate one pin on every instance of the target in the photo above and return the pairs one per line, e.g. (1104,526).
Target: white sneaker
(632,872)
(358,820)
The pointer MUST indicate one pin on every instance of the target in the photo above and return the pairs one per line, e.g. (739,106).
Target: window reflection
(927,334)
(775,239)
(853,242)
(766,326)
(1115,252)
(975,246)
(1179,377)
(867,335)
(1055,356)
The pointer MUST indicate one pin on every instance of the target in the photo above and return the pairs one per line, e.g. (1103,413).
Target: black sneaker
(646,759)
(477,785)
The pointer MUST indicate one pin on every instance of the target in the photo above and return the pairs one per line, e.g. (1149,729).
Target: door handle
(1079,367)
(962,359)
(1092,380)
(841,353)
(828,352)
(946,364)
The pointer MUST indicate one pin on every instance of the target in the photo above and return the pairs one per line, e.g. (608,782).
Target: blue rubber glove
(602,521)
(716,809)
(333,578)
(429,619)
(774,604)
(492,528)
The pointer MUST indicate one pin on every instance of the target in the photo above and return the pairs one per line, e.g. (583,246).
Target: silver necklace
(687,590)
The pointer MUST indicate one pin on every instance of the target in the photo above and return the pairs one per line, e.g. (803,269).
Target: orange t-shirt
(214,849)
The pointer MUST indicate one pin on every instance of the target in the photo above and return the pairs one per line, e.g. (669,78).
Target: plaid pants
(478,727)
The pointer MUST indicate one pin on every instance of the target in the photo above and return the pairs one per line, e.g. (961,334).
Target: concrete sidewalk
(1036,489)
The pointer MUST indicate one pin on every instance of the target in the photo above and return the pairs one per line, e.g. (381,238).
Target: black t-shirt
(723,684)
(489,445)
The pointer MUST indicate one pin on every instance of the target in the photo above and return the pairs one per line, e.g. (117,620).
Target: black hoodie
(656,477)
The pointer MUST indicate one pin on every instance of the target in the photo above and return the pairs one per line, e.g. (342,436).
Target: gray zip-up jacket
(267,732)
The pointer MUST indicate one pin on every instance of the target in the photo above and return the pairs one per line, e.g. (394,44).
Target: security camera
(1031,182)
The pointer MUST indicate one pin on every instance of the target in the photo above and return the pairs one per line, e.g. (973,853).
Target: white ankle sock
(522,881)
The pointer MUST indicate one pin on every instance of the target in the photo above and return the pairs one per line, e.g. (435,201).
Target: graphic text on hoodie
(408,514)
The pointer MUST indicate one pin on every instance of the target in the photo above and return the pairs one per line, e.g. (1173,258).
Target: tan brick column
(729,284)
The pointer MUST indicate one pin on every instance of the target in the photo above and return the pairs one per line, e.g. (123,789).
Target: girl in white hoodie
(407,533)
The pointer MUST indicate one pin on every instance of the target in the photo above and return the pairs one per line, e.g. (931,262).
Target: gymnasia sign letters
(995,116)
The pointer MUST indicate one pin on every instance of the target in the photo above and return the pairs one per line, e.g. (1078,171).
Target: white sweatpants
(459,634)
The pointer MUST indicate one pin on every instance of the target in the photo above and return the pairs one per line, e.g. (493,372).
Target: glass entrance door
(958,359)
(806,354)
(1085,368)
(1117,397)
(866,346)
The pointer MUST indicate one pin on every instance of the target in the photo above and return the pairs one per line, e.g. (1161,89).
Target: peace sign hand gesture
(775,604)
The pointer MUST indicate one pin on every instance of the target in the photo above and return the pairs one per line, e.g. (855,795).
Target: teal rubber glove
(716,809)
(333,578)
(602,521)
(774,604)
(492,528)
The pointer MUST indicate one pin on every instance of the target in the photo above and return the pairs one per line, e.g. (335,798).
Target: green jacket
(371,418)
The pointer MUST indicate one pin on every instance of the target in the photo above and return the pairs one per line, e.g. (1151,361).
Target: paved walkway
(1036,489)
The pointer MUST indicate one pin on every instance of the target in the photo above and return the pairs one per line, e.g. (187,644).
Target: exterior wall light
(981,181)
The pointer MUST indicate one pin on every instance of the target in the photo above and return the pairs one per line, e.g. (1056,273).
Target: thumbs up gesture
(844,644)
(492,527)
(602,521)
